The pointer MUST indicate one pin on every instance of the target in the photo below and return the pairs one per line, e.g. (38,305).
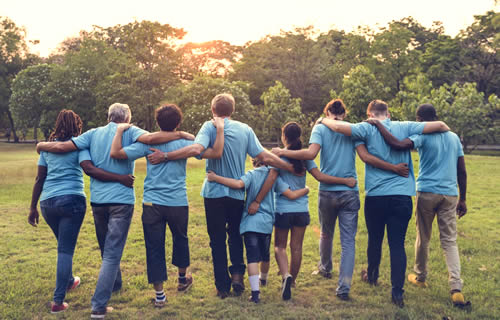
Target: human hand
(123,126)
(350,182)
(39,145)
(186,135)
(402,169)
(156,157)
(461,208)
(218,122)
(211,176)
(277,151)
(307,189)
(127,180)
(372,121)
(33,217)
(253,207)
(319,120)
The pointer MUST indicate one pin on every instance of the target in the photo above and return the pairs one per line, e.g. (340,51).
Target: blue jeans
(343,205)
(393,212)
(111,224)
(64,215)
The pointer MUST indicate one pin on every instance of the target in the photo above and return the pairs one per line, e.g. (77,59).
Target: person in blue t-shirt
(337,200)
(165,198)
(441,166)
(112,203)
(388,200)
(59,181)
(257,228)
(223,205)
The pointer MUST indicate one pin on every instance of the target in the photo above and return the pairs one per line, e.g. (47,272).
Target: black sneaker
(222,294)
(398,301)
(343,296)
(100,314)
(263,282)
(254,297)
(286,288)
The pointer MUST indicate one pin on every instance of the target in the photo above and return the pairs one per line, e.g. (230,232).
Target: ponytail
(292,132)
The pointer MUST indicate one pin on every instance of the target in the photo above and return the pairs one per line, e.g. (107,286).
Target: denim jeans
(343,205)
(395,213)
(224,216)
(64,215)
(154,223)
(111,224)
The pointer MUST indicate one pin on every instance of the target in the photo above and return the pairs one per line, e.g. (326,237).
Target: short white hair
(119,113)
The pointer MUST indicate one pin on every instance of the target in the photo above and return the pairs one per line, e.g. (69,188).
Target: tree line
(278,78)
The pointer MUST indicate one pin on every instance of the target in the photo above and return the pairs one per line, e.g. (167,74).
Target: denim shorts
(257,246)
(291,219)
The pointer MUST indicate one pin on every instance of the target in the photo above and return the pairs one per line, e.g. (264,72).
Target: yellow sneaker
(413,279)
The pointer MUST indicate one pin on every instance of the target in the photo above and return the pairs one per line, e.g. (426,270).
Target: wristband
(165,156)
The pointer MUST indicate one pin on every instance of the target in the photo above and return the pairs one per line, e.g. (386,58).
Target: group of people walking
(242,208)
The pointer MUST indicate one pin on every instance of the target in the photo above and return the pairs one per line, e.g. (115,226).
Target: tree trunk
(35,132)
(12,127)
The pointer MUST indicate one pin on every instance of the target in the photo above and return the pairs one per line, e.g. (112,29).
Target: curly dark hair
(68,124)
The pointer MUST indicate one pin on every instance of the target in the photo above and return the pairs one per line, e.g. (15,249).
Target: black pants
(224,216)
(395,213)
(154,223)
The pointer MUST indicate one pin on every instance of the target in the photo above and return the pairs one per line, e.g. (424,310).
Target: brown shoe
(183,287)
(237,284)
(222,294)
(364,278)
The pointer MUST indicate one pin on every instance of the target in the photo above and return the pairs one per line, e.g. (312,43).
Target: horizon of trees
(280,78)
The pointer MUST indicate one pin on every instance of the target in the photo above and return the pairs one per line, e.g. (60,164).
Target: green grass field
(28,261)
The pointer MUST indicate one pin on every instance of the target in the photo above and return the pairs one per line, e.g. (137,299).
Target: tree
(465,111)
(26,102)
(359,88)
(441,61)
(194,99)
(279,108)
(415,91)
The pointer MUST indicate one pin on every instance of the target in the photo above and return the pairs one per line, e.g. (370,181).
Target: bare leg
(296,240)
(280,240)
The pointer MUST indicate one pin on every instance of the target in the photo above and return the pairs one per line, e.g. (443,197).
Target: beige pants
(430,205)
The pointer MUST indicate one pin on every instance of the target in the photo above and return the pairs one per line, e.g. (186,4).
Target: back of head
(223,105)
(377,108)
(335,107)
(292,140)
(68,124)
(168,117)
(426,112)
(119,113)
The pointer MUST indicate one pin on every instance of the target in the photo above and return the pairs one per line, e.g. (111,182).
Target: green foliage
(27,103)
(195,97)
(279,108)
(359,88)
(416,91)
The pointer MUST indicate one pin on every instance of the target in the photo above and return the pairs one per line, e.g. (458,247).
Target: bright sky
(51,21)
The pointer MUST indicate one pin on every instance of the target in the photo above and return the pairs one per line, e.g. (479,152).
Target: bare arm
(56,147)
(435,126)
(33,216)
(272,160)
(266,187)
(304,154)
(103,175)
(391,140)
(322,177)
(399,169)
(231,183)
(117,151)
(337,126)
(462,185)
(295,194)
(216,151)
(164,137)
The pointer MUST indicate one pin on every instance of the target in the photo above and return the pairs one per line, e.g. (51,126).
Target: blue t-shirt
(239,140)
(165,183)
(263,220)
(380,182)
(337,157)
(293,182)
(439,153)
(64,174)
(98,141)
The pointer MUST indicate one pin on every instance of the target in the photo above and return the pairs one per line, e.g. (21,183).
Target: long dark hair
(292,132)
(68,124)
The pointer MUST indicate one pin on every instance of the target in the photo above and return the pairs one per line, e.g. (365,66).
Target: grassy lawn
(28,260)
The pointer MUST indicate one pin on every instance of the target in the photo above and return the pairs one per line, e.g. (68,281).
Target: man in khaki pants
(442,164)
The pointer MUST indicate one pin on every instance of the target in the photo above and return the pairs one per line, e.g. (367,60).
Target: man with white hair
(112,203)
